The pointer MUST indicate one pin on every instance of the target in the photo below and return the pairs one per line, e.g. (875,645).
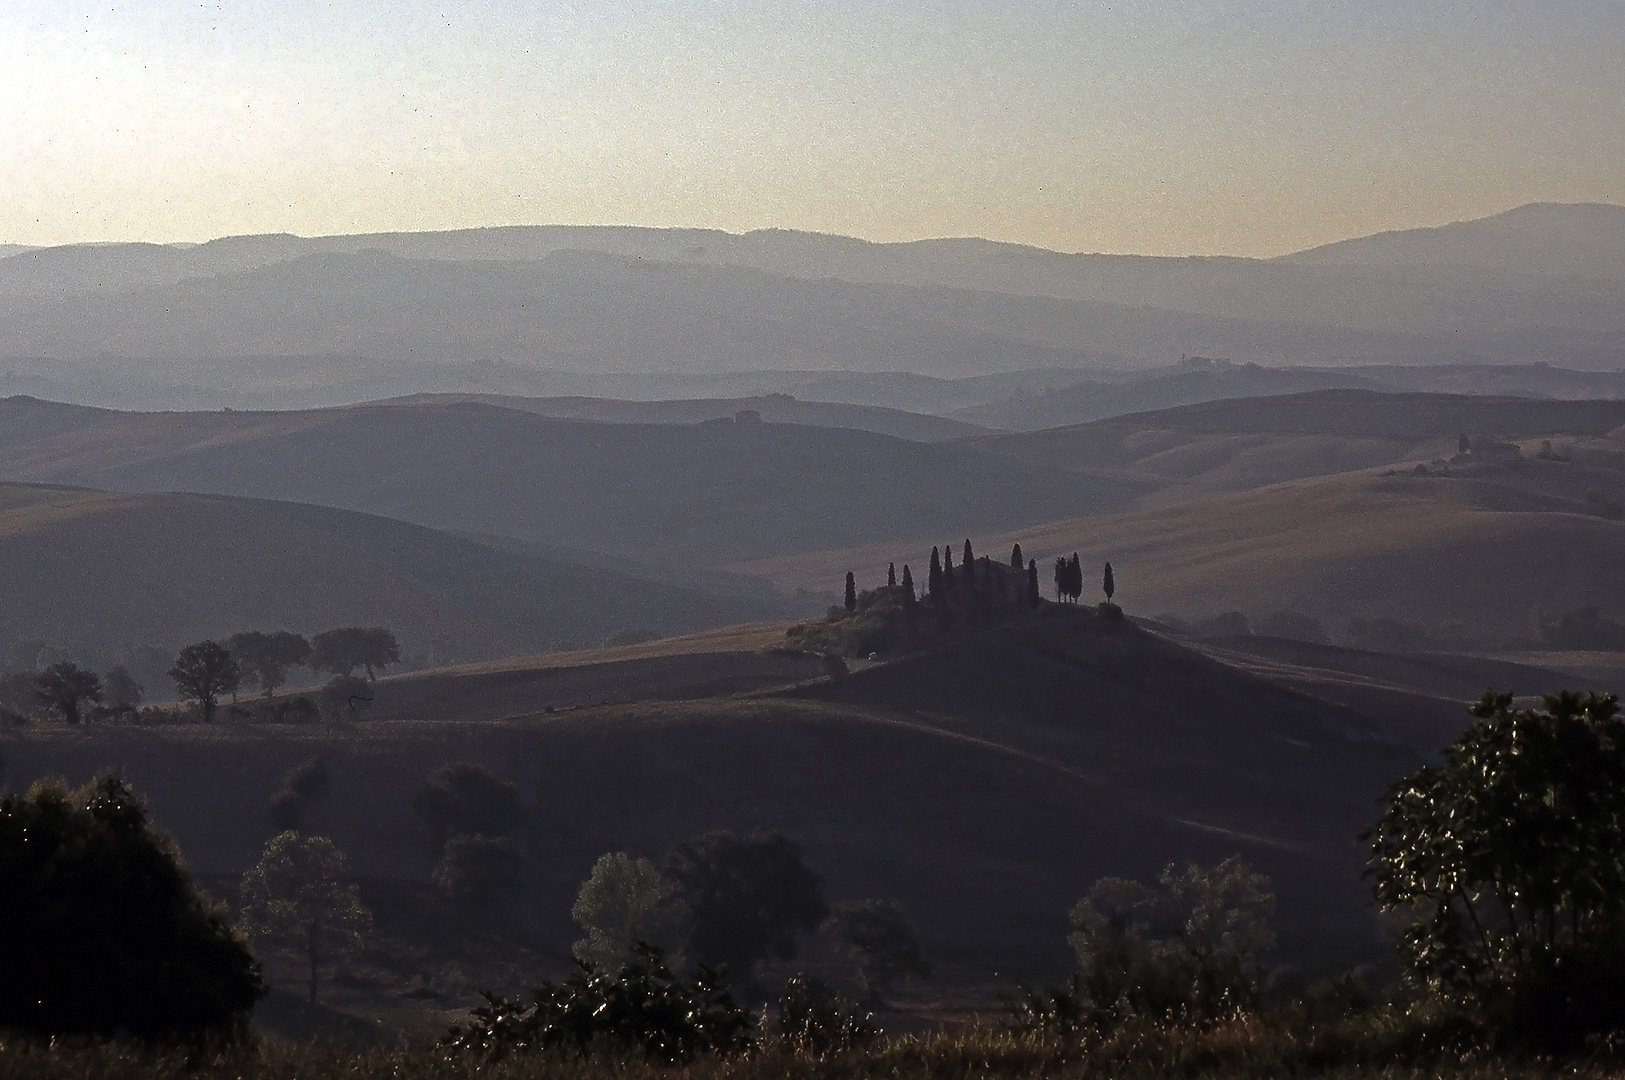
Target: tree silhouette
(1107,584)
(267,657)
(300,896)
(851,592)
(880,938)
(1016,561)
(62,686)
(908,587)
(466,799)
(120,690)
(948,568)
(933,581)
(1032,582)
(1074,578)
(891,575)
(969,560)
(104,931)
(203,671)
(343,650)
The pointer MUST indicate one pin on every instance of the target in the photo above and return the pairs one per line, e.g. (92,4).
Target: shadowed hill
(94,572)
(700,494)
(985,784)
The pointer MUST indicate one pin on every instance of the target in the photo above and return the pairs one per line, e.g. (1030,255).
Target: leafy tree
(120,690)
(1016,561)
(851,592)
(343,650)
(299,896)
(104,932)
(202,672)
(1193,945)
(62,686)
(267,657)
(304,789)
(933,581)
(1107,584)
(879,937)
(480,874)
(1510,855)
(749,896)
(466,799)
(625,901)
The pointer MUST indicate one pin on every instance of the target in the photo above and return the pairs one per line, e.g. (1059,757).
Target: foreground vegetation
(1381,1043)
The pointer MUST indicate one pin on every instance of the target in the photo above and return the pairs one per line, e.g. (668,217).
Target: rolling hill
(679,495)
(98,575)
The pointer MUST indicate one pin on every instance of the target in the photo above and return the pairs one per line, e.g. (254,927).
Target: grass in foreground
(1380,1044)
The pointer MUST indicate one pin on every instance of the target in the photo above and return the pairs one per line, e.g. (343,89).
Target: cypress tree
(1107,584)
(948,568)
(1016,561)
(933,581)
(1032,583)
(851,592)
(891,575)
(1061,579)
(908,587)
(1074,577)
(969,560)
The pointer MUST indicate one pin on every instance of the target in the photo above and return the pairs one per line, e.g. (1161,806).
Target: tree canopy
(299,896)
(341,651)
(104,931)
(465,799)
(63,686)
(266,658)
(203,671)
(625,901)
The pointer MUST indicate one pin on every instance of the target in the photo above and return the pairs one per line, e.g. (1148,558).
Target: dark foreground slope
(97,573)
(985,786)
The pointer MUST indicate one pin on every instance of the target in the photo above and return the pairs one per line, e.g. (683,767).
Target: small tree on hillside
(1074,578)
(341,651)
(299,896)
(1062,580)
(1016,561)
(891,575)
(1032,583)
(464,799)
(749,895)
(120,690)
(908,587)
(483,875)
(266,658)
(851,592)
(969,561)
(202,672)
(933,581)
(625,901)
(1107,584)
(879,937)
(63,686)
(948,568)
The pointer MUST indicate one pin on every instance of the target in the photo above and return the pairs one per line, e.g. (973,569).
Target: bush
(642,1007)
(464,799)
(879,937)
(103,930)
(480,874)
(813,1019)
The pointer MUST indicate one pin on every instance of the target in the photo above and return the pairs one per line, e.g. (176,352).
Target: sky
(1250,127)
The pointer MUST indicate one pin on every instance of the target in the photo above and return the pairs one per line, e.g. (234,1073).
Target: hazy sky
(1162,126)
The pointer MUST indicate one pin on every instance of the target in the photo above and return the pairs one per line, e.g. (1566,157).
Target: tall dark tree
(1107,584)
(104,932)
(1016,561)
(1074,578)
(749,895)
(969,561)
(62,686)
(266,658)
(891,575)
(948,568)
(908,587)
(1032,582)
(851,592)
(933,581)
(203,671)
(1062,580)
(343,650)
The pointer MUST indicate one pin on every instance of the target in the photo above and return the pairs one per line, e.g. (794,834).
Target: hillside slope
(97,574)
(679,494)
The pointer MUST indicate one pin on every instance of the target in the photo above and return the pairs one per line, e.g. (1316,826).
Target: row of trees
(207,670)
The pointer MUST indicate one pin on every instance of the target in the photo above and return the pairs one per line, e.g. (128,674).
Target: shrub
(641,1007)
(879,937)
(480,874)
(466,799)
(814,1020)
(103,930)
